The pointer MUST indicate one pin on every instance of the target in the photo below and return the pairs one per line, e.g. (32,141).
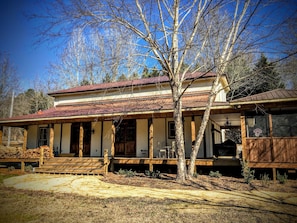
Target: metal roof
(105,108)
(277,95)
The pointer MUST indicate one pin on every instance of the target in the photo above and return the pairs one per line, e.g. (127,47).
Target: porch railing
(271,149)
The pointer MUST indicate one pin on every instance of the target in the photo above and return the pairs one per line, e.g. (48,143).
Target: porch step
(72,165)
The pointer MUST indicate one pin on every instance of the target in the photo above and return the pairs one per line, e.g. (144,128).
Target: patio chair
(172,151)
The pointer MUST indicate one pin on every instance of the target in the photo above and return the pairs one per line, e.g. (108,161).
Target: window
(259,126)
(43,136)
(171,130)
(284,125)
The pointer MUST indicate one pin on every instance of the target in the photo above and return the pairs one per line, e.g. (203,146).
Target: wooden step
(67,165)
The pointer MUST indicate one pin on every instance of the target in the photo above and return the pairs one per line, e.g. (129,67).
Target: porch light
(227,123)
(93,131)
(251,121)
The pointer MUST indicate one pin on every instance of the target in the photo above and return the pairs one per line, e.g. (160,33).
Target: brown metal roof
(129,106)
(277,95)
(128,83)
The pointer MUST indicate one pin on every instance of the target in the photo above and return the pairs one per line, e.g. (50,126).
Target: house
(269,129)
(132,121)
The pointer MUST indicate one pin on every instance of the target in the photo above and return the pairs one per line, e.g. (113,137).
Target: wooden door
(74,145)
(125,141)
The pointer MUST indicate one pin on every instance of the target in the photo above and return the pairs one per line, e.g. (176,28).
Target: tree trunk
(204,122)
(179,138)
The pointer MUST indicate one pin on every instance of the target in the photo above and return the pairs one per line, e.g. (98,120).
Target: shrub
(11,168)
(264,179)
(246,172)
(282,179)
(216,174)
(28,168)
(127,173)
(153,174)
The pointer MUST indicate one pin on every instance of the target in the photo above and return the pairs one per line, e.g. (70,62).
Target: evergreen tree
(266,76)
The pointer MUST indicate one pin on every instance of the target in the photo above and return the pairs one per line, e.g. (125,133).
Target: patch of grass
(5,176)
(215,174)
(265,179)
(153,174)
(282,179)
(127,173)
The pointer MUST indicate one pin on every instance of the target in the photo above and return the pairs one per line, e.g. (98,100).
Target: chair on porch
(162,151)
(172,150)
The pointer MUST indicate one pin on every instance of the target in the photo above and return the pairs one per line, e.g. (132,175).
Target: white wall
(66,138)
(32,137)
(106,136)
(96,139)
(159,135)
(142,138)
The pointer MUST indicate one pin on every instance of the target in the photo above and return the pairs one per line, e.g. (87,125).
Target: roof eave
(262,101)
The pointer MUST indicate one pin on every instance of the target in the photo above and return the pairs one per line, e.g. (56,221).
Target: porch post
(271,146)
(193,129)
(271,135)
(24,147)
(151,143)
(81,140)
(1,134)
(112,150)
(193,136)
(51,140)
(243,136)
(25,139)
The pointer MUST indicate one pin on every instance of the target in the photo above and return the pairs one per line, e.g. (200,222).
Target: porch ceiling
(107,108)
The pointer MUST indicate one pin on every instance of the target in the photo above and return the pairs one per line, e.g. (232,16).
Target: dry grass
(37,206)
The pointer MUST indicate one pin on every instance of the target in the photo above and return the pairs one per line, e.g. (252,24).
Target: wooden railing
(271,149)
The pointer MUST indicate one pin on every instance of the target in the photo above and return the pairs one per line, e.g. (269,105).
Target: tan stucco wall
(57,137)
(159,135)
(66,138)
(96,139)
(32,136)
(142,138)
(106,135)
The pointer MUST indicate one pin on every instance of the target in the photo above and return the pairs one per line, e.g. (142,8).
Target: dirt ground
(117,198)
(202,182)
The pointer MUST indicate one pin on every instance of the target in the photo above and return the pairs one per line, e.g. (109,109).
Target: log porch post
(51,140)
(271,146)
(81,140)
(193,129)
(1,134)
(112,149)
(151,143)
(24,147)
(243,136)
(193,136)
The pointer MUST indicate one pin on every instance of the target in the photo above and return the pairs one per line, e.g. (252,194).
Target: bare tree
(8,83)
(90,57)
(204,34)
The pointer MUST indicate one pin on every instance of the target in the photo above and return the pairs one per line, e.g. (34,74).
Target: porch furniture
(172,150)
(163,153)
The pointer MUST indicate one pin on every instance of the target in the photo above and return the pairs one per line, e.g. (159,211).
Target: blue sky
(17,39)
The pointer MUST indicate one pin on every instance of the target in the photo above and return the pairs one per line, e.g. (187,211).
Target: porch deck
(221,161)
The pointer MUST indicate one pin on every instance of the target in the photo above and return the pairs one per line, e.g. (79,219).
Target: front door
(74,146)
(125,139)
